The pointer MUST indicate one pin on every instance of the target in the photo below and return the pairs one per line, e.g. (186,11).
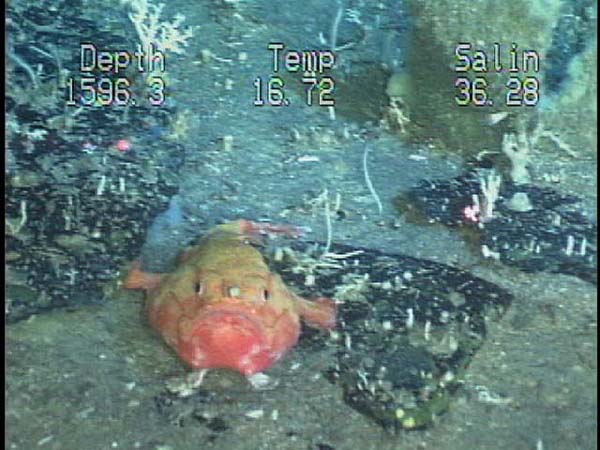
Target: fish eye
(198,288)
(266,295)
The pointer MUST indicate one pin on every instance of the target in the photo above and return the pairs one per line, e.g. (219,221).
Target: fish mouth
(223,323)
(226,339)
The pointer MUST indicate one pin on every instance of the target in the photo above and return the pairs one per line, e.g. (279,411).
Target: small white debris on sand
(45,440)
(261,381)
(255,413)
(570,245)
(410,318)
(487,253)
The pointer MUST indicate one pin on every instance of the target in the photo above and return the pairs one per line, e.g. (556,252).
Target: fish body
(223,308)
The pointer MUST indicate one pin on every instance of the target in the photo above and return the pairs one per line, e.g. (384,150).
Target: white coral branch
(168,36)
(13,227)
(490,188)
(518,149)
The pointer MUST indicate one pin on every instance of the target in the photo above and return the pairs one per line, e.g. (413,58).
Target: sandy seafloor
(89,379)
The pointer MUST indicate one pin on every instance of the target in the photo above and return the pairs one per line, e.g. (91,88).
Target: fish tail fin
(138,279)
(320,312)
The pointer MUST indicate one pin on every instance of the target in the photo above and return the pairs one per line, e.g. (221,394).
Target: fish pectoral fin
(320,312)
(138,279)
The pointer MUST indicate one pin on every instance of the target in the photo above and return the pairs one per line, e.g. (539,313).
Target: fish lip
(224,338)
(234,309)
(212,315)
(229,320)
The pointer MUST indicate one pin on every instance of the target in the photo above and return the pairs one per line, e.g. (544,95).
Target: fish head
(243,325)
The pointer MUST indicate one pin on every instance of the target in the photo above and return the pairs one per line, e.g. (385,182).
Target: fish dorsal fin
(185,255)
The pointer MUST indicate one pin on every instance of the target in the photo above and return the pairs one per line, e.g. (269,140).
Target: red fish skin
(223,308)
